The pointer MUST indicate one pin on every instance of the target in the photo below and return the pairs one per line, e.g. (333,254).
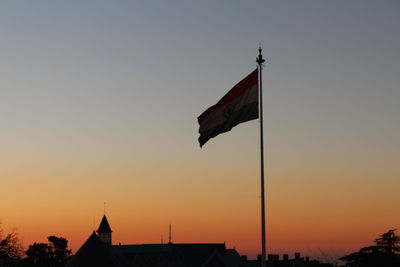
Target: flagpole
(260,61)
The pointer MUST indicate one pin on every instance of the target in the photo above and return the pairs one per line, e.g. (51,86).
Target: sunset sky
(99,100)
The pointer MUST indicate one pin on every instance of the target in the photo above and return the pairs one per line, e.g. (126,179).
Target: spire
(104,231)
(104,226)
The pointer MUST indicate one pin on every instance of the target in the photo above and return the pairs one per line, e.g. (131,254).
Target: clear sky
(99,100)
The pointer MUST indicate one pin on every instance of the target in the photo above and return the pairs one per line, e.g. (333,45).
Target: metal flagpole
(260,61)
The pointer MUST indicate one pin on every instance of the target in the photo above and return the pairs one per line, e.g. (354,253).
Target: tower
(104,231)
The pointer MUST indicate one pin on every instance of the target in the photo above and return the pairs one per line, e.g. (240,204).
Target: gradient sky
(99,100)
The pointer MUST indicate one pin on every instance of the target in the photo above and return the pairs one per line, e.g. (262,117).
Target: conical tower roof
(104,227)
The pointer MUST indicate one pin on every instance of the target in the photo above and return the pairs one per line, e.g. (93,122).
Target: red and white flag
(239,105)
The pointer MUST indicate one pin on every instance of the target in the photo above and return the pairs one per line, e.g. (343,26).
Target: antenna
(162,240)
(104,208)
(170,235)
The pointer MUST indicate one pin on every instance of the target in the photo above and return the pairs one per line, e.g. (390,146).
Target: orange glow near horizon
(299,218)
(310,239)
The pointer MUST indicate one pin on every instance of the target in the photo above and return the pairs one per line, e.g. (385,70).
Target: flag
(239,105)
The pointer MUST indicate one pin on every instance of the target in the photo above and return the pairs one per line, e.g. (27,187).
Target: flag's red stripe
(235,92)
(218,115)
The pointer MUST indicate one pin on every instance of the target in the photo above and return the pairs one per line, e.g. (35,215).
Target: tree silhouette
(384,253)
(52,254)
(389,242)
(38,254)
(10,247)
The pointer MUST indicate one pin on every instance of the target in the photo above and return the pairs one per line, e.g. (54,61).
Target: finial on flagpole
(260,60)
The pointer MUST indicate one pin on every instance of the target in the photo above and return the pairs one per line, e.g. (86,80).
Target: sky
(99,100)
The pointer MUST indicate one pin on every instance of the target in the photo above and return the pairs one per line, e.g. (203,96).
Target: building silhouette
(98,251)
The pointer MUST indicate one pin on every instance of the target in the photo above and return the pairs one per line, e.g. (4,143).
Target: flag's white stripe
(217,117)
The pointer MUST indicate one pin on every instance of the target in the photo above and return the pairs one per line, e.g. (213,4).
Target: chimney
(297,255)
(285,257)
(259,257)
